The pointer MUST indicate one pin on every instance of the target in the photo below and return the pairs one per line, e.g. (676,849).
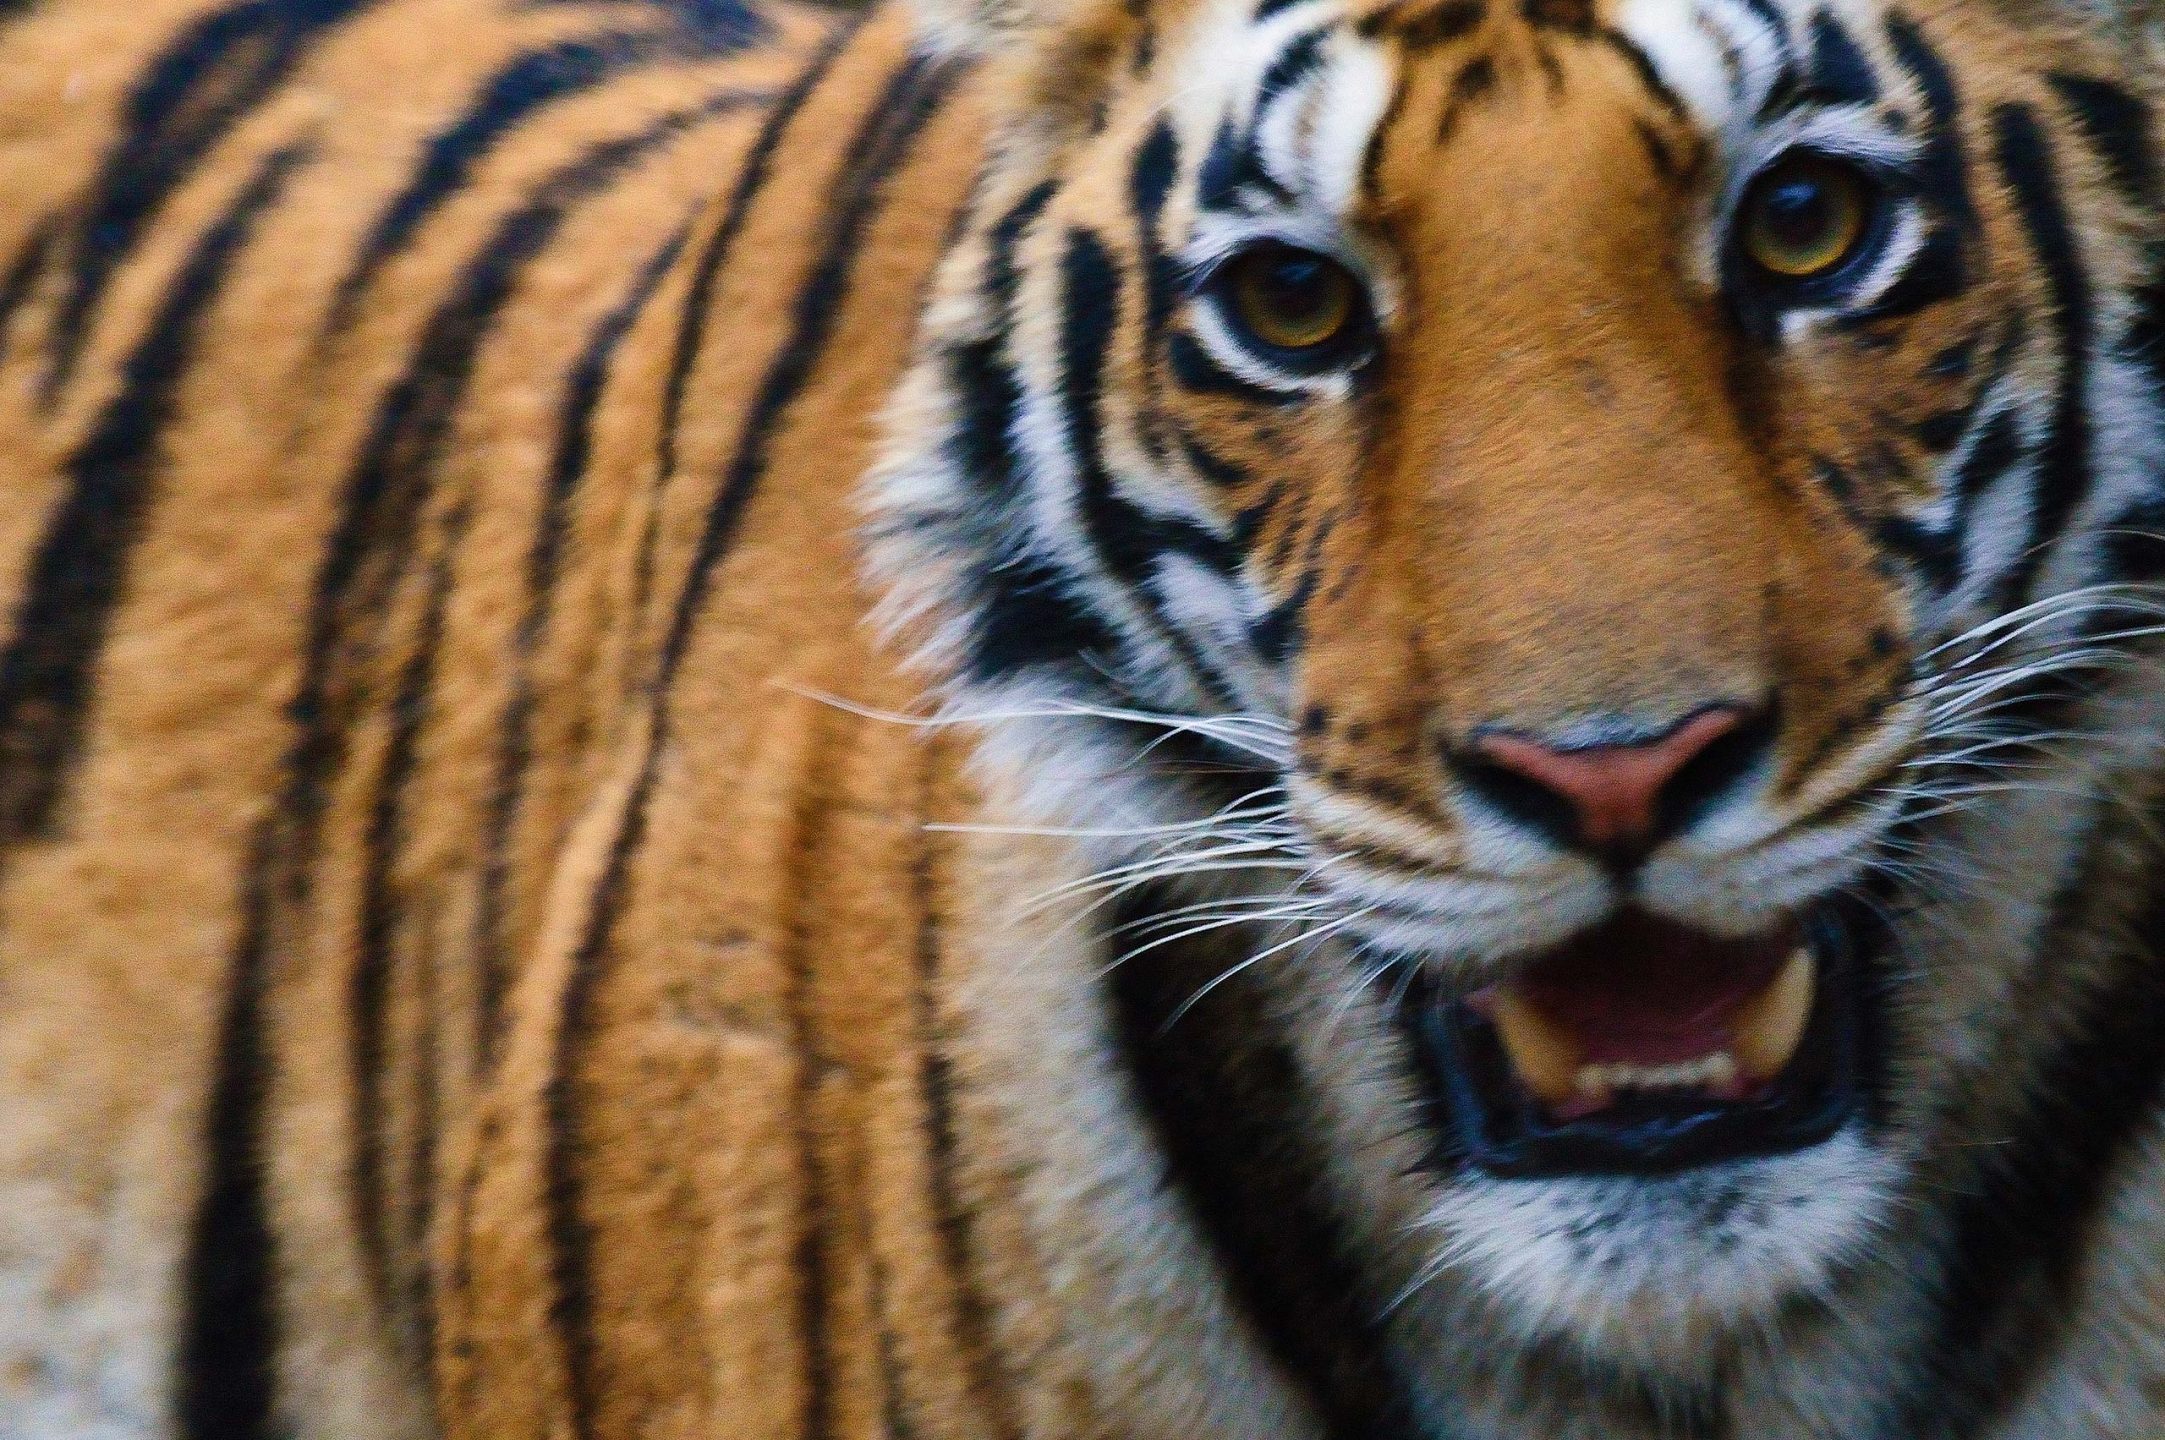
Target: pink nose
(1614,792)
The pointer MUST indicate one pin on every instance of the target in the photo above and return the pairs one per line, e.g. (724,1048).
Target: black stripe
(427,1103)
(2133,544)
(1841,75)
(1954,360)
(1295,64)
(1649,75)
(1943,169)
(1996,447)
(708,14)
(22,275)
(911,98)
(1937,552)
(1197,371)
(458,1285)
(385,496)
(1231,165)
(1996,450)
(698,305)
(982,446)
(1478,77)
(193,95)
(80,569)
(1150,178)
(815,1282)
(896,1411)
(1770,15)
(1028,614)
(2020,1226)
(227,1354)
(1938,271)
(1226,1099)
(982,376)
(1568,17)
(416,415)
(1440,24)
(1223,474)
(376,956)
(1150,181)
(952,1225)
(1938,432)
(2117,125)
(528,83)
(1285,624)
(2025,159)
(1022,612)
(227,1350)
(567,468)
(571,1302)
(1128,540)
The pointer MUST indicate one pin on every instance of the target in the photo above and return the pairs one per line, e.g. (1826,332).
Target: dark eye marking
(1942,171)
(1294,65)
(1232,166)
(2025,160)
(1475,80)
(2117,125)
(1572,17)
(1841,74)
(1628,50)
(1419,29)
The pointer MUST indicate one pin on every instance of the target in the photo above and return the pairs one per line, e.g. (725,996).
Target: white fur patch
(1652,1269)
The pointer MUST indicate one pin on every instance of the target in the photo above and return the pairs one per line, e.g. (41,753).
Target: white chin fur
(1648,1270)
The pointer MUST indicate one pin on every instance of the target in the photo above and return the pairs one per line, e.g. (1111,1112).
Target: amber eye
(1805,217)
(1292,299)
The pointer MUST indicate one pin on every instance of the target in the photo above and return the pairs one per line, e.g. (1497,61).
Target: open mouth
(1642,1046)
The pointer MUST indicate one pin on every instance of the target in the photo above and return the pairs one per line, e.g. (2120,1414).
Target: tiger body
(545,888)
(549,279)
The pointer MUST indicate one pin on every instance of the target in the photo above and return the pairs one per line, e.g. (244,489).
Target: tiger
(1005,719)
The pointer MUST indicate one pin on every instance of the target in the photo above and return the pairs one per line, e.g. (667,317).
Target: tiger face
(1548,506)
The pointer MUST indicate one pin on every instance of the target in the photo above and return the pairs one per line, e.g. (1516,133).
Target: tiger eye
(1805,217)
(1293,299)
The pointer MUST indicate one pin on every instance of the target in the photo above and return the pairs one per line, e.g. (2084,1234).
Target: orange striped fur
(495,941)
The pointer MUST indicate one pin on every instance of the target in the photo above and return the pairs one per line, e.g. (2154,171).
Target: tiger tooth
(1713,1071)
(1544,1055)
(1771,1026)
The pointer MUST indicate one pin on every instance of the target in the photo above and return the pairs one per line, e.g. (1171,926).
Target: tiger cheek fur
(1080,720)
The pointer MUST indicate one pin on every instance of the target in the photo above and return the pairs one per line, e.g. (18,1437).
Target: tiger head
(1557,505)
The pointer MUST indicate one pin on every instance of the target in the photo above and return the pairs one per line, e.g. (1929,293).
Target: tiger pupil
(1294,300)
(1800,214)
(1295,289)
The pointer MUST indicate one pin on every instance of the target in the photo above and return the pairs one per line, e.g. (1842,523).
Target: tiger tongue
(1641,991)
(1640,1002)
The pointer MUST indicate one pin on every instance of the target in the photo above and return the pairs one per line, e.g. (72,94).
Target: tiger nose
(1617,801)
